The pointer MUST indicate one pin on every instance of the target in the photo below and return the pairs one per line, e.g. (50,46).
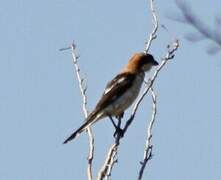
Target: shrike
(120,92)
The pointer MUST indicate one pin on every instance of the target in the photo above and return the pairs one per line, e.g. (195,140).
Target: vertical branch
(84,107)
(171,49)
(149,147)
(111,159)
(105,171)
(153,34)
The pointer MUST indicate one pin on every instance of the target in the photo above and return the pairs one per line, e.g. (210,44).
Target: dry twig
(153,34)
(149,146)
(84,107)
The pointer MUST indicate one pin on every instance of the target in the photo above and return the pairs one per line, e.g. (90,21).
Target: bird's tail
(92,118)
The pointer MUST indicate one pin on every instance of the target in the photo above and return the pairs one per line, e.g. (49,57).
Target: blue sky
(41,105)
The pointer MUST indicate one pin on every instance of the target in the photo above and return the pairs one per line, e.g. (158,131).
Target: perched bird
(120,92)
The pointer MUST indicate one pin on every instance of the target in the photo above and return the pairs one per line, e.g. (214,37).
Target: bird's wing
(115,88)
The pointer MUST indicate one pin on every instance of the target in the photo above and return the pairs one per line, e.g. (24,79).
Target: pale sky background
(40,103)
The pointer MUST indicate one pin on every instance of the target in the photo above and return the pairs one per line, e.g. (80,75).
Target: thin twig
(84,107)
(153,34)
(149,147)
(111,159)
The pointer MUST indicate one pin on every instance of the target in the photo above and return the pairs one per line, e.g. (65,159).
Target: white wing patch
(108,89)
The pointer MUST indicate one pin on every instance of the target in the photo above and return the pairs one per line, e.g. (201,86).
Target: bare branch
(203,31)
(83,88)
(111,159)
(65,48)
(149,147)
(153,34)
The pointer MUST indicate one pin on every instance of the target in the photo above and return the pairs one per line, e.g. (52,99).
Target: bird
(120,92)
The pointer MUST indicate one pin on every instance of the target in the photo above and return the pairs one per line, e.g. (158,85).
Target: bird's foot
(118,132)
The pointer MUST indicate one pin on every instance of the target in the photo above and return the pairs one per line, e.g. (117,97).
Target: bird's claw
(119,132)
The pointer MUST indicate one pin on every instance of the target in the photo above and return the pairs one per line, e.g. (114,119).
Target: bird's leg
(114,124)
(118,130)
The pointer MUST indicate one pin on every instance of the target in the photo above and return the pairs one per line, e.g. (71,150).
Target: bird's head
(141,62)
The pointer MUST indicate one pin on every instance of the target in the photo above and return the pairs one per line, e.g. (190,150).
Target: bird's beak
(155,63)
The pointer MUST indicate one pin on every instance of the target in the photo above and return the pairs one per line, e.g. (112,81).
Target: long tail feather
(89,121)
(77,132)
